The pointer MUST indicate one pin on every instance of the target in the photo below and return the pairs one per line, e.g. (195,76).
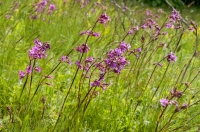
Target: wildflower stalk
(24,83)
(167,66)
(186,66)
(44,78)
(41,82)
(168,121)
(186,122)
(160,116)
(82,80)
(31,78)
(161,81)
(62,106)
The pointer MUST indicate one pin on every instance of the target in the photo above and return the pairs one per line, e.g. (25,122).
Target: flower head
(103,19)
(52,7)
(164,102)
(38,69)
(66,59)
(38,51)
(78,64)
(29,69)
(82,48)
(96,83)
(171,57)
(124,47)
(21,75)
(175,16)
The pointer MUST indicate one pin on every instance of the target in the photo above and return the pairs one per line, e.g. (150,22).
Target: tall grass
(104,67)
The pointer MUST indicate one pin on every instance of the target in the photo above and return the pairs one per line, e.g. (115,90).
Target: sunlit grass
(131,100)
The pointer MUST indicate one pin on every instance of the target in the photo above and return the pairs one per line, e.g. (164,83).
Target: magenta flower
(83,33)
(168,25)
(124,47)
(41,6)
(136,28)
(95,34)
(29,70)
(21,75)
(175,16)
(89,60)
(171,57)
(103,19)
(96,83)
(38,51)
(115,60)
(79,65)
(38,69)
(139,49)
(66,59)
(164,102)
(130,32)
(52,7)
(82,48)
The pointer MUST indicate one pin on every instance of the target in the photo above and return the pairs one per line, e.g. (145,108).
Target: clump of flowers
(52,7)
(38,51)
(115,59)
(164,102)
(66,59)
(175,93)
(41,6)
(171,57)
(103,19)
(173,18)
(83,48)
(21,75)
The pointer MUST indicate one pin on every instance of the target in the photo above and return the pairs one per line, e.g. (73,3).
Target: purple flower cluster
(21,75)
(29,69)
(164,102)
(79,65)
(171,57)
(173,18)
(115,60)
(175,93)
(52,7)
(88,62)
(41,6)
(98,83)
(136,52)
(136,28)
(83,48)
(90,33)
(149,23)
(38,51)
(103,19)
(38,69)
(66,59)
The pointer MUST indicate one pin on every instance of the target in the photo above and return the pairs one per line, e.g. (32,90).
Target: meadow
(98,66)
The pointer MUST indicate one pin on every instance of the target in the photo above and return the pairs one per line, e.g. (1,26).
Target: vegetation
(97,66)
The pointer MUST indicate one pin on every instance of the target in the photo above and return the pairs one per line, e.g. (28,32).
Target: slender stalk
(24,83)
(31,78)
(62,106)
(161,81)
(168,121)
